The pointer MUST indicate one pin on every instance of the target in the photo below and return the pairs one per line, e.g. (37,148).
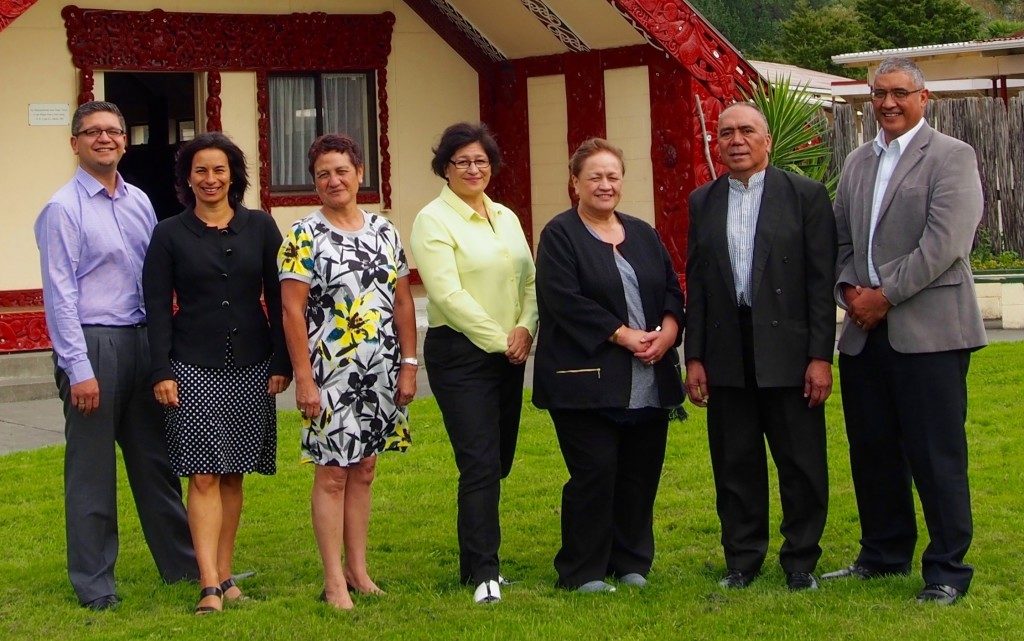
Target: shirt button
(777,291)
(775,323)
(224,232)
(228,251)
(234,330)
(225,304)
(224,276)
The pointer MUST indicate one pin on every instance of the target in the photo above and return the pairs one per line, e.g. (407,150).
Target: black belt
(132,326)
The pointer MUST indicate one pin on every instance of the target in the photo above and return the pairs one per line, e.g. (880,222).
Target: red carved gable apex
(678,29)
(11,9)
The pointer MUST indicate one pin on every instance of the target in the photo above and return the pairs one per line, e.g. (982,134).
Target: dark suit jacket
(793,310)
(582,302)
(218,277)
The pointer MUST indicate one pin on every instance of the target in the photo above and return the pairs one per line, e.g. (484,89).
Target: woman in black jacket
(218,361)
(606,368)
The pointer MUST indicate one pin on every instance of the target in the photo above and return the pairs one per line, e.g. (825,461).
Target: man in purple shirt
(92,239)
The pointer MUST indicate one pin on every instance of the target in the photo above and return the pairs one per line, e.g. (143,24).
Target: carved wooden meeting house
(650,75)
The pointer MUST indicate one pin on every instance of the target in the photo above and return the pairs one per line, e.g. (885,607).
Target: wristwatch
(410,360)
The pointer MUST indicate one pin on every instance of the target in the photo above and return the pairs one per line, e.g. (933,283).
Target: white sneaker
(487,592)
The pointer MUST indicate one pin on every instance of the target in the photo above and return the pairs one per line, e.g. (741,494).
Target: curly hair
(236,165)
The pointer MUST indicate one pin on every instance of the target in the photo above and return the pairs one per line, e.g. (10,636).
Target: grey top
(642,391)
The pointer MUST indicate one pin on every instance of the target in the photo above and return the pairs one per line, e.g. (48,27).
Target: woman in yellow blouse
(482,311)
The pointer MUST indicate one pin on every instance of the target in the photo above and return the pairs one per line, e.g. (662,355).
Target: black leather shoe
(738,579)
(940,594)
(801,581)
(858,571)
(103,603)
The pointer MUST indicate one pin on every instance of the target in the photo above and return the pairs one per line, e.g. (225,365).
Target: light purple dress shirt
(91,250)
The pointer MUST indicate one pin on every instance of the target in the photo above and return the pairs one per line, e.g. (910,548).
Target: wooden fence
(993,128)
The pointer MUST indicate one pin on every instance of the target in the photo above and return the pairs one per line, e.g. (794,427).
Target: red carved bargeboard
(11,9)
(160,40)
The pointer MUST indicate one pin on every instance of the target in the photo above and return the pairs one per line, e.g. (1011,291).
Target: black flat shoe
(940,594)
(801,581)
(103,603)
(212,590)
(738,579)
(858,571)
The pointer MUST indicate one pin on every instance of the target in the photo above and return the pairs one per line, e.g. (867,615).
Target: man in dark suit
(760,329)
(906,211)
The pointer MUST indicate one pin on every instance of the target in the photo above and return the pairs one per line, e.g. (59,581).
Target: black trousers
(739,422)
(905,416)
(614,464)
(129,416)
(481,397)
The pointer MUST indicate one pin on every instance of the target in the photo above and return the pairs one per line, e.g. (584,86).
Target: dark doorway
(160,113)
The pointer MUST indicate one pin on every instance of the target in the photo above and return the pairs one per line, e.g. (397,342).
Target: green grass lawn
(413,551)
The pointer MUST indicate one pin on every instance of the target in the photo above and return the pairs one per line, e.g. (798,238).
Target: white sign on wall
(43,114)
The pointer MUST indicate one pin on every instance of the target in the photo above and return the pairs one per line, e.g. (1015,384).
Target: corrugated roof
(973,46)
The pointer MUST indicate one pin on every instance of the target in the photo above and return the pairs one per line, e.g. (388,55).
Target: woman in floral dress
(350,326)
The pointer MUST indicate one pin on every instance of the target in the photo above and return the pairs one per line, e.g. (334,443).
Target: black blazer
(792,276)
(218,276)
(581,303)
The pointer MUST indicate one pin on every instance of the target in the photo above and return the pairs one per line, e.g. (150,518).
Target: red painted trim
(159,40)
(504,107)
(213,102)
(21,298)
(458,41)
(585,103)
(23,332)
(11,9)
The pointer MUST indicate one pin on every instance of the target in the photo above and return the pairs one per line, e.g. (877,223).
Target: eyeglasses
(898,95)
(95,132)
(464,164)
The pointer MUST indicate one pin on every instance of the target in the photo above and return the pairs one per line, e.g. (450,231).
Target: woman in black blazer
(606,368)
(218,361)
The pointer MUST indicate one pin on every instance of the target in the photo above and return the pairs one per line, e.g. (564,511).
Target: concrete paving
(28,425)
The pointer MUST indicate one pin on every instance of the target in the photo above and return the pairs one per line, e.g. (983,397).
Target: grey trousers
(129,416)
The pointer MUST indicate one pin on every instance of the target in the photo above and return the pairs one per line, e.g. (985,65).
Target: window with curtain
(304,106)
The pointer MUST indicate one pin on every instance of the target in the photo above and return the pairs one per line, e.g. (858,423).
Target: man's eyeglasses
(464,164)
(898,95)
(95,132)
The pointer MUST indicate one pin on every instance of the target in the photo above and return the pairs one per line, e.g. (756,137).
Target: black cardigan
(581,301)
(218,276)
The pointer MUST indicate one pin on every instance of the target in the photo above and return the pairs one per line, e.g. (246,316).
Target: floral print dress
(353,341)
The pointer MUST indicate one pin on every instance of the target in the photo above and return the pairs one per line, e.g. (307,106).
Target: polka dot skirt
(226,422)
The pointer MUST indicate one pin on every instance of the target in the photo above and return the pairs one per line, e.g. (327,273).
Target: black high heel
(209,591)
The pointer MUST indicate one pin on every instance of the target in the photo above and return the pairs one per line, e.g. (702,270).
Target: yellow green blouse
(479,278)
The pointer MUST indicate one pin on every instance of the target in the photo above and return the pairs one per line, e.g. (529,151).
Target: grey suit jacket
(922,242)
(791,283)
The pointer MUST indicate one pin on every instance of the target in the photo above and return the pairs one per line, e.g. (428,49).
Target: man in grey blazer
(906,212)
(760,332)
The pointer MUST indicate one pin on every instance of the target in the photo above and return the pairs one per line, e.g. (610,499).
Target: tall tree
(810,37)
(912,23)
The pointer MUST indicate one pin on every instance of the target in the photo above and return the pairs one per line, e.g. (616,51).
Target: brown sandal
(229,583)
(209,591)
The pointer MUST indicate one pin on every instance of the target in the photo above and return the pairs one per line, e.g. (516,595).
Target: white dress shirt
(741,225)
(889,155)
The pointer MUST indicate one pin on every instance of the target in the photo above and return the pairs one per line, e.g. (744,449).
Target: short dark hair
(458,136)
(588,148)
(340,143)
(236,164)
(89,108)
